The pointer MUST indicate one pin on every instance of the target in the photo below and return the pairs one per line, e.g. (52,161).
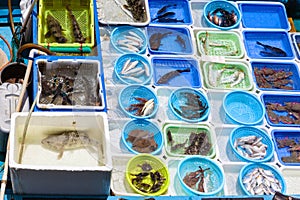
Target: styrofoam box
(80,171)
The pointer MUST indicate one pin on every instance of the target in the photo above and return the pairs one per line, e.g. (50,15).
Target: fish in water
(76,28)
(155,40)
(164,8)
(271,51)
(165,15)
(170,20)
(68,140)
(55,29)
(181,41)
(168,76)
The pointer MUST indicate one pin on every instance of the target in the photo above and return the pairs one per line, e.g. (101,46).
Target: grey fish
(168,76)
(76,28)
(68,140)
(55,29)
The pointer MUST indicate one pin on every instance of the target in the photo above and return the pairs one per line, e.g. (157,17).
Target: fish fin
(61,152)
(48,34)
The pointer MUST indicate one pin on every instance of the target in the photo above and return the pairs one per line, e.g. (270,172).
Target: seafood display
(66,86)
(55,29)
(226,76)
(142,141)
(196,179)
(259,181)
(76,28)
(211,44)
(251,147)
(143,107)
(155,40)
(132,42)
(271,51)
(190,106)
(147,180)
(286,113)
(222,17)
(134,70)
(164,15)
(170,75)
(292,146)
(68,140)
(196,144)
(270,78)
(137,9)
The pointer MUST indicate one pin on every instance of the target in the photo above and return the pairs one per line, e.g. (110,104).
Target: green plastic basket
(214,73)
(81,9)
(219,43)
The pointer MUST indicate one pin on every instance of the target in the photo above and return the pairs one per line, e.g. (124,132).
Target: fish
(164,8)
(165,15)
(271,50)
(155,40)
(76,28)
(170,20)
(240,78)
(55,29)
(181,41)
(168,76)
(68,140)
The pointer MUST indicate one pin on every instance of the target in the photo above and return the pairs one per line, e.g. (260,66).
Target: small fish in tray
(55,29)
(165,16)
(131,71)
(191,179)
(172,74)
(144,107)
(148,180)
(251,147)
(142,141)
(259,181)
(271,51)
(132,42)
(223,18)
(292,147)
(289,112)
(155,40)
(68,140)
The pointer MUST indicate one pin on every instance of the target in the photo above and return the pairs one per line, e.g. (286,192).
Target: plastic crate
(83,11)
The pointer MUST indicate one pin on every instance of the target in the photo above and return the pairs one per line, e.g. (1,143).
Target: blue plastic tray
(281,99)
(181,8)
(259,15)
(169,44)
(287,67)
(296,44)
(279,39)
(164,65)
(283,152)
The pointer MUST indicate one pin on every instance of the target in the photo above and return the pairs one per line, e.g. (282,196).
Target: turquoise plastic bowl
(249,167)
(248,131)
(211,6)
(146,126)
(118,34)
(216,174)
(177,99)
(143,64)
(243,108)
(127,97)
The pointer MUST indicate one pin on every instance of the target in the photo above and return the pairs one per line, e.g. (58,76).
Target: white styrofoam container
(81,171)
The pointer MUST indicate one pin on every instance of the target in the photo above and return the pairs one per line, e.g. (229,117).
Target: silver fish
(68,140)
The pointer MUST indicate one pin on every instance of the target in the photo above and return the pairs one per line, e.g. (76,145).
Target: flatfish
(68,140)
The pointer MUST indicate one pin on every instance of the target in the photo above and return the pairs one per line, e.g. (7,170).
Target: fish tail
(259,43)
(184,70)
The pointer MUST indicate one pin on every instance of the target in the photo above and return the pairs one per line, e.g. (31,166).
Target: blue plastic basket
(181,8)
(251,131)
(164,65)
(177,99)
(119,33)
(211,6)
(284,151)
(249,167)
(143,64)
(145,125)
(286,67)
(128,96)
(216,174)
(263,13)
(243,108)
